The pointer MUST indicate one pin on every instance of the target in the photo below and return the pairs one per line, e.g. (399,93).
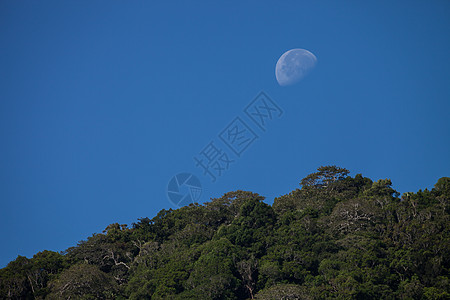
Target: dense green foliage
(335,237)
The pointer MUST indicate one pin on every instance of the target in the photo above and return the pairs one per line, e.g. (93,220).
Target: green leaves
(337,237)
(213,274)
(325,176)
(26,278)
(83,281)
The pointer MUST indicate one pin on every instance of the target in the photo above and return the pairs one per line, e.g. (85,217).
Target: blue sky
(102,102)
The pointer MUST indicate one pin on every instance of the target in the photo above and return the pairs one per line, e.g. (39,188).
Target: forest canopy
(336,236)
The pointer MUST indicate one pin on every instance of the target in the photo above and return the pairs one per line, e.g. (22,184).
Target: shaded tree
(83,281)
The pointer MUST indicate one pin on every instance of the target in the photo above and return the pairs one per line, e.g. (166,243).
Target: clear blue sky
(102,102)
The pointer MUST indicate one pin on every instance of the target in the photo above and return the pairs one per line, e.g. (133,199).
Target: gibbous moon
(293,65)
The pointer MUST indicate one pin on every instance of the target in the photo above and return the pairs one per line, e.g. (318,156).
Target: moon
(293,65)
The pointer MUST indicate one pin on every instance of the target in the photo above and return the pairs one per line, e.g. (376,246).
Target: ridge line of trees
(336,236)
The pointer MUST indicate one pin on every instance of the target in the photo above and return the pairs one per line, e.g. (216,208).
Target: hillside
(336,236)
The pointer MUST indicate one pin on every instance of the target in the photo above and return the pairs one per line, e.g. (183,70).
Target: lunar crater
(294,65)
